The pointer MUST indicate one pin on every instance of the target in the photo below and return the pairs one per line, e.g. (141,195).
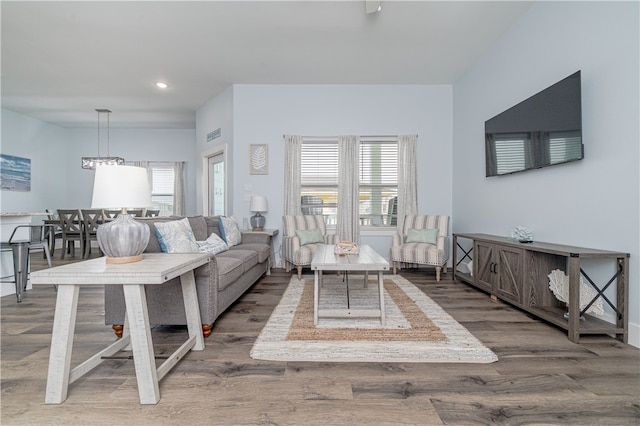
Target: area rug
(417,329)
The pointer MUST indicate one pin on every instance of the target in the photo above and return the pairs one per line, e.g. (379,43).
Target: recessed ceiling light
(161,85)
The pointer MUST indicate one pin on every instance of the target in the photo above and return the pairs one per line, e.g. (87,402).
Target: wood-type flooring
(540,378)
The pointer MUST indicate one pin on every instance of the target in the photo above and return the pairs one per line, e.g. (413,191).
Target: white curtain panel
(407,180)
(178,188)
(293,155)
(348,227)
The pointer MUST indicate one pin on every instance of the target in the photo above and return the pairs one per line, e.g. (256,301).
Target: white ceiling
(62,60)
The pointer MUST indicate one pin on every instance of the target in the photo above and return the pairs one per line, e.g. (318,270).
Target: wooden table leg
(64,324)
(141,343)
(316,295)
(381,290)
(192,310)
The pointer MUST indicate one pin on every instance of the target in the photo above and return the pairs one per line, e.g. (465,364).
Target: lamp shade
(258,203)
(124,239)
(116,187)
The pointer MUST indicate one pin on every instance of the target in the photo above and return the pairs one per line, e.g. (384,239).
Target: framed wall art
(15,173)
(259,159)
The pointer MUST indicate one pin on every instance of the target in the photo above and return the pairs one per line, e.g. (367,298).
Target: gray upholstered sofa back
(202,227)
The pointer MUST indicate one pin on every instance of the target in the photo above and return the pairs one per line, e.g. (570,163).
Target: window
(378,181)
(319,179)
(162,184)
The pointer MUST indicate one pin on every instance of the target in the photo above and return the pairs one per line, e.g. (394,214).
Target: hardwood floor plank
(540,378)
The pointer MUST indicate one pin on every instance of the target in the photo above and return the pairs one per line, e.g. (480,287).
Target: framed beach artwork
(15,173)
(259,159)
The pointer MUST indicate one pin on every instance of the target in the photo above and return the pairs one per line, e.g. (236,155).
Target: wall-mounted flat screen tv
(543,130)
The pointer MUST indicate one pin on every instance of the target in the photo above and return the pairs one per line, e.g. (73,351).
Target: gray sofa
(219,283)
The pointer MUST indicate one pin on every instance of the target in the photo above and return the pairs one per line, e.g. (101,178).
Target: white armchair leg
(395,267)
(299,272)
(438,268)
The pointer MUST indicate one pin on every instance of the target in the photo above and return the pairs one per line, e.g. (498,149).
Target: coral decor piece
(559,285)
(346,247)
(522,234)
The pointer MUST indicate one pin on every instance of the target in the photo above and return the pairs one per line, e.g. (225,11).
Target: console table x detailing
(154,269)
(368,260)
(518,274)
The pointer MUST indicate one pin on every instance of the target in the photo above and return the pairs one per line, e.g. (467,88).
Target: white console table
(154,269)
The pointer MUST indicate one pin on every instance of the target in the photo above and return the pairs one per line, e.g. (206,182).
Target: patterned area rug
(417,329)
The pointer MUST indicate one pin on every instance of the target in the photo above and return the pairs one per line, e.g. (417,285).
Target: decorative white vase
(123,240)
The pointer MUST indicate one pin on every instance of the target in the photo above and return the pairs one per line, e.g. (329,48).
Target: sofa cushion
(213,226)
(229,270)
(263,250)
(249,258)
(310,236)
(427,236)
(230,231)
(176,236)
(154,244)
(212,245)
(199,227)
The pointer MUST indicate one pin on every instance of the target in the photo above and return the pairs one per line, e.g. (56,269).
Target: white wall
(216,114)
(57,179)
(263,113)
(133,145)
(590,203)
(46,146)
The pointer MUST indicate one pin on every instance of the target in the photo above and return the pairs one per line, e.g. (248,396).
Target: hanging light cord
(108,150)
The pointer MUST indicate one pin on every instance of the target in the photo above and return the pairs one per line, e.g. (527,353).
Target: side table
(154,269)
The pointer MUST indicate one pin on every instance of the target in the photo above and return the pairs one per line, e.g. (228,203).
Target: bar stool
(21,250)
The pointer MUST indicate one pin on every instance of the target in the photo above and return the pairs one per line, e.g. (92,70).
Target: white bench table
(154,269)
(367,260)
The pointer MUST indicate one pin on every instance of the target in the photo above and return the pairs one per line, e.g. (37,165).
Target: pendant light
(92,162)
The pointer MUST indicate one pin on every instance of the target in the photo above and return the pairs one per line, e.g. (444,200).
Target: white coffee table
(368,260)
(154,269)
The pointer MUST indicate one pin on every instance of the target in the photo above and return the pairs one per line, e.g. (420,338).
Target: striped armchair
(406,254)
(296,255)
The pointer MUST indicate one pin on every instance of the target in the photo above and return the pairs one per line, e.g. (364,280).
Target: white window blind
(319,179)
(378,183)
(162,185)
(378,180)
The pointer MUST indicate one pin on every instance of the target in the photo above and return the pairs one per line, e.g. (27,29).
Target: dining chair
(53,232)
(71,225)
(91,219)
(136,212)
(21,249)
(111,213)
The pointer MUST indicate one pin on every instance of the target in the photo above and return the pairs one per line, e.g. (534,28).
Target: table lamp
(258,204)
(120,187)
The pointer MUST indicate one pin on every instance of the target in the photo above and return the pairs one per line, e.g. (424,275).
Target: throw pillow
(311,236)
(213,245)
(176,236)
(428,236)
(230,231)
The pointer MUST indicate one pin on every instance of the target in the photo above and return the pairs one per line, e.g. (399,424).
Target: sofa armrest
(443,243)
(290,246)
(255,237)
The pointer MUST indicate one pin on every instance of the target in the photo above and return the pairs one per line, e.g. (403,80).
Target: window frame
(331,184)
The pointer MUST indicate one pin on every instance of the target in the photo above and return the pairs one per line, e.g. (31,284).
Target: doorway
(215,187)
